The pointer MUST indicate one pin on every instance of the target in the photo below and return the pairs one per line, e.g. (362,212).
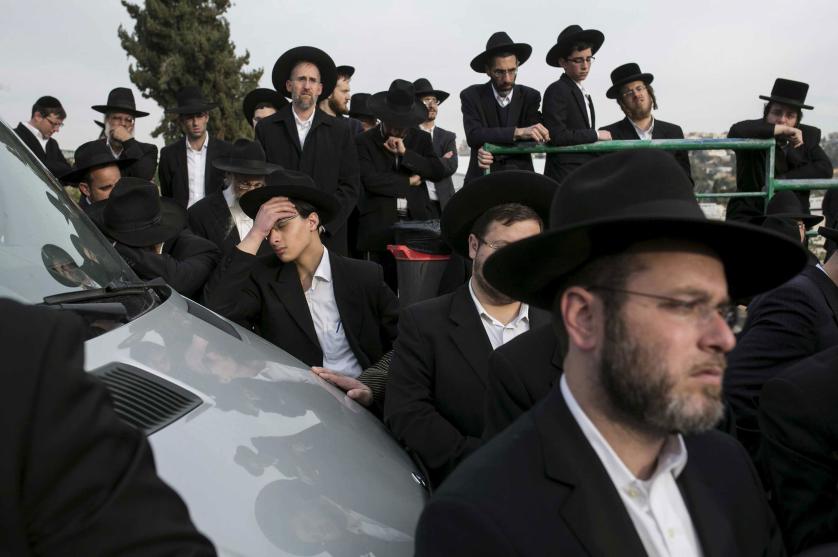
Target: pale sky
(711,59)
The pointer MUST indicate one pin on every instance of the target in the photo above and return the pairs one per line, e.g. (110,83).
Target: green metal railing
(772,184)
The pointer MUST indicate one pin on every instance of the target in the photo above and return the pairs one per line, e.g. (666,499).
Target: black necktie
(591,108)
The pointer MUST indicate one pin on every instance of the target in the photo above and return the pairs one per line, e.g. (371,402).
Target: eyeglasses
(430,101)
(124,120)
(55,124)
(633,92)
(247,185)
(496,245)
(698,310)
(579,60)
(502,73)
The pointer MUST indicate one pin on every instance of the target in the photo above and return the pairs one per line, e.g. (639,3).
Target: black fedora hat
(499,43)
(786,205)
(190,100)
(571,35)
(248,158)
(484,192)
(259,96)
(359,106)
(290,58)
(398,105)
(136,215)
(422,88)
(120,99)
(90,155)
(626,74)
(345,70)
(617,200)
(296,186)
(790,92)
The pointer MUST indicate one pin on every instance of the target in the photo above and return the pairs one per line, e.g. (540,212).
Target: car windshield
(47,245)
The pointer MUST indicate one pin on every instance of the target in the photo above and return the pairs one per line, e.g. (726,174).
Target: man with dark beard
(620,458)
(434,397)
(337,103)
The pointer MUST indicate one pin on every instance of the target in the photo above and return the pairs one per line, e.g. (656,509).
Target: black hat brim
(326,205)
(105,108)
(561,48)
(377,104)
(289,59)
(246,167)
(522,51)
(361,114)
(755,259)
(614,91)
(76,175)
(534,190)
(440,95)
(828,233)
(172,220)
(809,220)
(192,109)
(257,96)
(784,100)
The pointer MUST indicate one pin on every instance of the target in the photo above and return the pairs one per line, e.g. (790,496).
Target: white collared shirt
(503,101)
(196,164)
(303,126)
(428,184)
(242,222)
(655,506)
(644,134)
(320,297)
(586,97)
(498,333)
(114,153)
(38,135)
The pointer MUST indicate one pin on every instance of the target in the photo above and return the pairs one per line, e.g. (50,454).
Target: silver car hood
(274,461)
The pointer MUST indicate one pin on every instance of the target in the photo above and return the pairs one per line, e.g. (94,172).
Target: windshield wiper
(109,291)
(110,309)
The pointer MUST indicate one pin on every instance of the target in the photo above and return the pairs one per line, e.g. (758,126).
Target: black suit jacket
(174,173)
(785,325)
(210,218)
(445,141)
(145,159)
(329,157)
(807,161)
(75,479)
(539,489)
(185,264)
(264,292)
(662,130)
(52,157)
(384,180)
(437,381)
(481,124)
(567,121)
(798,417)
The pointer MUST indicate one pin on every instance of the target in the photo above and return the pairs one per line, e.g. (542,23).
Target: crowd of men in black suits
(554,391)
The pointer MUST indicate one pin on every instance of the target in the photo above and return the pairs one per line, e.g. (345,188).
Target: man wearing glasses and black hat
(798,153)
(120,112)
(46,120)
(186,171)
(444,141)
(303,138)
(621,458)
(500,111)
(568,108)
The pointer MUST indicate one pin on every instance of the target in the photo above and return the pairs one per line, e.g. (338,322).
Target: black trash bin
(421,259)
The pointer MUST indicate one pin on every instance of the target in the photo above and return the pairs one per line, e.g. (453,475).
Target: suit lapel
(181,181)
(629,131)
(577,94)
(291,128)
(290,292)
(224,218)
(825,284)
(516,105)
(468,333)
(489,104)
(212,149)
(349,302)
(710,518)
(31,141)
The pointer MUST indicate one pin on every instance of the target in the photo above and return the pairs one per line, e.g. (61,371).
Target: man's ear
(473,245)
(84,189)
(313,221)
(581,318)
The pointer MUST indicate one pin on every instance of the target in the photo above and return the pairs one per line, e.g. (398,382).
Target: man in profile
(47,118)
(95,172)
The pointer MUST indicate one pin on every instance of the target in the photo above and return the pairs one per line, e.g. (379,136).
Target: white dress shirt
(242,222)
(320,297)
(38,135)
(498,333)
(430,185)
(303,126)
(503,101)
(196,164)
(655,506)
(586,97)
(644,134)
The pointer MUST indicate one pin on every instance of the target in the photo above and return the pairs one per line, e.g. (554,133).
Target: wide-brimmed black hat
(136,215)
(422,88)
(790,92)
(359,106)
(398,105)
(348,71)
(786,205)
(571,35)
(190,100)
(289,59)
(90,155)
(248,158)
(296,186)
(617,200)
(484,192)
(626,74)
(120,99)
(499,43)
(259,96)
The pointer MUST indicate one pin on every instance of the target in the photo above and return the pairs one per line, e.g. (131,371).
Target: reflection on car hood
(275,462)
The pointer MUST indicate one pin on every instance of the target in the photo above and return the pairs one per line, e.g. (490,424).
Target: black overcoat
(210,218)
(174,174)
(662,130)
(145,159)
(567,121)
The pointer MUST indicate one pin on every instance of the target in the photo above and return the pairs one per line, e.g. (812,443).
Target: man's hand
(121,134)
(537,133)
(415,180)
(484,159)
(603,135)
(448,155)
(274,210)
(353,388)
(395,145)
(792,134)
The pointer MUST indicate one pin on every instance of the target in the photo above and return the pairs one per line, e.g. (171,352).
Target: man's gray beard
(297,100)
(639,389)
(110,140)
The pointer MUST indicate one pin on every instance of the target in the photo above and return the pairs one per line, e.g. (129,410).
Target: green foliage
(176,43)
